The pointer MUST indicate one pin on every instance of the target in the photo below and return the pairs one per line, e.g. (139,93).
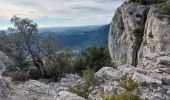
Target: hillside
(77,38)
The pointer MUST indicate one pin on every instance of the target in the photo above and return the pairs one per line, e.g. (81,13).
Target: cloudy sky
(59,12)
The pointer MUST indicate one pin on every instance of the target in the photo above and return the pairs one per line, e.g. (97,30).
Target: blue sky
(47,13)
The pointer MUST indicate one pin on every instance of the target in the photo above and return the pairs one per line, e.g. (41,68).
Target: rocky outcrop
(155,49)
(126,33)
(151,88)
(127,44)
(38,90)
(140,36)
(107,74)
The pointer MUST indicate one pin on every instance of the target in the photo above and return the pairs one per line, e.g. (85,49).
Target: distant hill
(79,37)
(69,30)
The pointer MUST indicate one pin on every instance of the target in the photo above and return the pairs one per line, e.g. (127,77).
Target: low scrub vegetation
(123,96)
(163,5)
(94,57)
(58,64)
(18,76)
(164,8)
(34,74)
(130,85)
(80,91)
(83,90)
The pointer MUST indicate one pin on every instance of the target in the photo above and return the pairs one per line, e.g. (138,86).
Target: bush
(164,8)
(79,65)
(88,75)
(123,96)
(18,76)
(94,57)
(34,74)
(80,91)
(83,90)
(129,84)
(58,64)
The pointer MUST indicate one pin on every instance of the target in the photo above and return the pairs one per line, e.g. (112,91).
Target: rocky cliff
(140,36)
(136,32)
(126,32)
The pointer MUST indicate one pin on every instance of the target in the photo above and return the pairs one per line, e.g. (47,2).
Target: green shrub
(129,84)
(18,76)
(94,57)
(34,74)
(79,65)
(88,75)
(83,90)
(123,96)
(58,64)
(80,90)
(164,8)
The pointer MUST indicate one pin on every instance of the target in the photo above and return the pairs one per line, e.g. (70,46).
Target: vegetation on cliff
(130,85)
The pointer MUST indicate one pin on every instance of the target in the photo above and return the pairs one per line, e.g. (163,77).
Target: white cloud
(98,10)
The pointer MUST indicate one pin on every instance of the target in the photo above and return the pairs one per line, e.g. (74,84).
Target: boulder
(126,69)
(71,80)
(107,74)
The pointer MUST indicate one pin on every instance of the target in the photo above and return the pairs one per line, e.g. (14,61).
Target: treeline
(39,58)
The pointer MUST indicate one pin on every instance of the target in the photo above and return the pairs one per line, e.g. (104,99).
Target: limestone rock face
(154,53)
(156,44)
(150,50)
(157,33)
(127,23)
